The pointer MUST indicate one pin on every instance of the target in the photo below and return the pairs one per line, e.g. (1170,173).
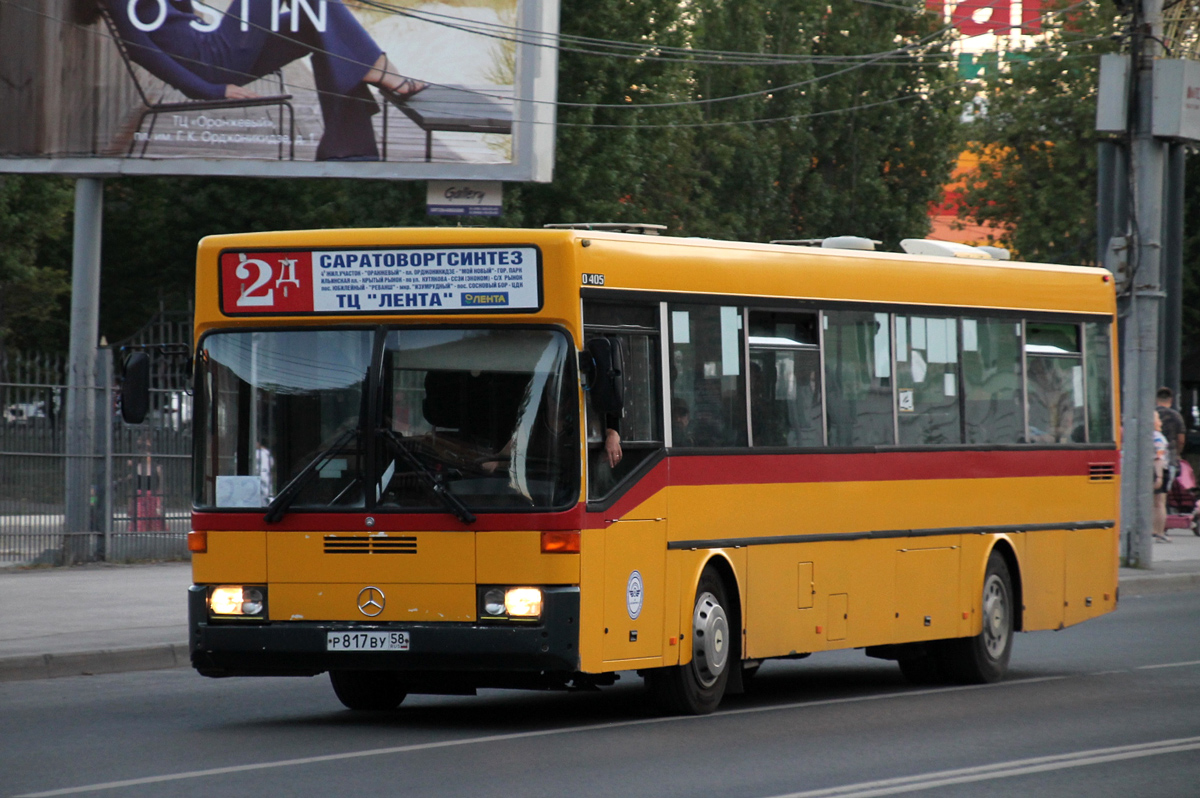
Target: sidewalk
(93,619)
(114,618)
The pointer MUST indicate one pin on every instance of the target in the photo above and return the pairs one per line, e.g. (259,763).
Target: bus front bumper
(298,648)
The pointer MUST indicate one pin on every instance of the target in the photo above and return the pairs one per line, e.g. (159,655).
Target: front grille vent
(1102,472)
(367,544)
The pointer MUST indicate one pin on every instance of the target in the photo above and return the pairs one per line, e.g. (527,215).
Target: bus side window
(707,382)
(858,378)
(785,379)
(1098,354)
(634,328)
(927,378)
(993,401)
(1054,370)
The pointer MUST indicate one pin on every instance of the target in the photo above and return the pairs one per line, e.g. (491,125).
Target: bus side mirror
(135,388)
(605,375)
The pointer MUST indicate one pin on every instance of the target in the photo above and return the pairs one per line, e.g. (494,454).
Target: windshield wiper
(279,505)
(432,480)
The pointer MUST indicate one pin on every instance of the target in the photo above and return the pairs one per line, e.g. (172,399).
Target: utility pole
(1140,351)
(81,372)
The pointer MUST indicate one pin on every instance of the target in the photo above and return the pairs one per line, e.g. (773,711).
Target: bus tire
(698,687)
(368,691)
(984,658)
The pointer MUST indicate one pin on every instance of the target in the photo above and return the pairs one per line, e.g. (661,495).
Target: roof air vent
(611,227)
(833,242)
(997,253)
(942,249)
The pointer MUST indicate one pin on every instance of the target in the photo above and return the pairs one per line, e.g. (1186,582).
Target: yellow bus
(437,460)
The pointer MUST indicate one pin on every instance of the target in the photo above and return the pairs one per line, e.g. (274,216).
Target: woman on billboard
(214,55)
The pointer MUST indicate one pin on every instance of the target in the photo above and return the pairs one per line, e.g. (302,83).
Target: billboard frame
(534,119)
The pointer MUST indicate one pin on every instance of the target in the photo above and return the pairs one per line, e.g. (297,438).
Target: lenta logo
(496,298)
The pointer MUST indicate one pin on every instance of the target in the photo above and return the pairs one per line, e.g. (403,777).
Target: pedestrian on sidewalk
(1173,429)
(1161,448)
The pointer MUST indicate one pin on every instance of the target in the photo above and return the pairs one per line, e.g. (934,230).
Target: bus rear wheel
(697,687)
(984,658)
(368,691)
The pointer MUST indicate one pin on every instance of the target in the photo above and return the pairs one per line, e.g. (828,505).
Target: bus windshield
(404,420)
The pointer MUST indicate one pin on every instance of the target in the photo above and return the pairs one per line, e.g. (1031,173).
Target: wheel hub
(710,640)
(995,617)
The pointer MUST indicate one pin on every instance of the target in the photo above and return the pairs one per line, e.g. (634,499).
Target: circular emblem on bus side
(371,601)
(633,595)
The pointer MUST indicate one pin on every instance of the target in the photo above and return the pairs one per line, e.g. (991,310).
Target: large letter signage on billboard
(279,88)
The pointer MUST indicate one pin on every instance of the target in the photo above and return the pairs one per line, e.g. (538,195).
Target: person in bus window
(612,439)
(265,467)
(681,419)
(208,61)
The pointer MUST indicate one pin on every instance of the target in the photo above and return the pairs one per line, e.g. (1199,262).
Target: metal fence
(136,480)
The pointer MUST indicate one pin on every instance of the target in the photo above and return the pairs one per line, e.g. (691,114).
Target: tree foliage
(35,261)
(877,169)
(1036,185)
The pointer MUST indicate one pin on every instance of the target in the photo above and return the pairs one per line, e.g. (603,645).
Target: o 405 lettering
(593,279)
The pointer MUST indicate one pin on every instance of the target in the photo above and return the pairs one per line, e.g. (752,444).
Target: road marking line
(495,738)
(1000,770)
(1168,665)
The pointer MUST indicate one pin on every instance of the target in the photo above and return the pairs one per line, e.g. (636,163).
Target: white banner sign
(415,280)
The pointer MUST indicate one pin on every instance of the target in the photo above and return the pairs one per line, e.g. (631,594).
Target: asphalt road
(1109,708)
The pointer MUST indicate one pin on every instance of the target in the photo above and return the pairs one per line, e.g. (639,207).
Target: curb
(89,663)
(1150,584)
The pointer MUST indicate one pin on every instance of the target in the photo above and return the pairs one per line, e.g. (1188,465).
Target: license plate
(366,641)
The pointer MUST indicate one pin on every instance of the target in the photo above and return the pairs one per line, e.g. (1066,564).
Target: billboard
(402,89)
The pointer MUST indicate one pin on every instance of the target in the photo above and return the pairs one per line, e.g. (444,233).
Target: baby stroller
(1182,509)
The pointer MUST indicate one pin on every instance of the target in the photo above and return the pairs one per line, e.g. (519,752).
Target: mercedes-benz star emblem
(371,601)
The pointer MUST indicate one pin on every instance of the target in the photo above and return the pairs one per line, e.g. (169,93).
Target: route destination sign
(380,281)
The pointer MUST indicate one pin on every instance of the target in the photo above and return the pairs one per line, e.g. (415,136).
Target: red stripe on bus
(301,521)
(761,469)
(738,469)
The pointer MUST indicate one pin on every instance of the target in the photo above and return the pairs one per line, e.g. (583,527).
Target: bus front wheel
(697,687)
(368,691)
(984,658)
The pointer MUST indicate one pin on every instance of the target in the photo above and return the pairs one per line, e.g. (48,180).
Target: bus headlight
(493,603)
(500,603)
(523,602)
(237,600)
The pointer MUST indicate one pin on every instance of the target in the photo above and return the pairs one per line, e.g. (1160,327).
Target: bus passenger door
(631,494)
(634,582)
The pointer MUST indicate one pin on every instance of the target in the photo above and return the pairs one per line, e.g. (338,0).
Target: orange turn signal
(198,541)
(560,542)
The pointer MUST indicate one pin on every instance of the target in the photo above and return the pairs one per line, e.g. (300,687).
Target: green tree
(877,168)
(750,172)
(1036,142)
(618,164)
(35,279)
